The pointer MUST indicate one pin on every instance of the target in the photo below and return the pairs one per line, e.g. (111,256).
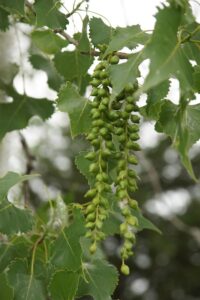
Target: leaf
(25,285)
(16,115)
(165,52)
(14,6)
(82,165)
(6,290)
(47,14)
(13,219)
(10,250)
(64,285)
(77,107)
(47,41)
(129,36)
(84,43)
(40,62)
(4,22)
(125,73)
(102,279)
(66,250)
(72,65)
(100,33)
(144,223)
(181,123)
(9,180)
(155,97)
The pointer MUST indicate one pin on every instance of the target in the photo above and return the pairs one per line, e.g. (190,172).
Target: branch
(71,40)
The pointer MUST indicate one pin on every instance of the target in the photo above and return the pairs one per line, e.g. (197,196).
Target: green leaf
(181,123)
(13,6)
(13,219)
(155,97)
(6,290)
(16,115)
(84,43)
(9,180)
(25,285)
(40,62)
(129,36)
(47,41)
(66,250)
(4,22)
(83,165)
(64,285)
(171,58)
(47,14)
(10,250)
(72,65)
(144,223)
(77,107)
(100,33)
(102,279)
(125,73)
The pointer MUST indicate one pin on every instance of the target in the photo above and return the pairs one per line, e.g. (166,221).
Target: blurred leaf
(47,41)
(48,14)
(82,165)
(144,223)
(25,285)
(40,62)
(64,285)
(4,22)
(77,107)
(6,290)
(14,6)
(9,180)
(100,33)
(102,279)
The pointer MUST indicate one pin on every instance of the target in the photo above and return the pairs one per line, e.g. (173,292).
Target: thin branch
(71,40)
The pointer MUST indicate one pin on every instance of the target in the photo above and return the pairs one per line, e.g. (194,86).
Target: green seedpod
(109,145)
(132,160)
(130,99)
(122,174)
(125,269)
(114,60)
(122,194)
(103,131)
(119,123)
(90,156)
(113,115)
(102,92)
(95,130)
(101,235)
(133,204)
(136,108)
(96,74)
(135,118)
(103,164)
(93,248)
(96,115)
(95,104)
(129,235)
(91,136)
(90,208)
(94,92)
(124,115)
(128,245)
(123,184)
(117,155)
(133,221)
(95,82)
(99,224)
(129,107)
(88,234)
(90,217)
(116,105)
(110,127)
(102,107)
(129,88)
(96,200)
(126,211)
(123,228)
(106,82)
(121,164)
(136,147)
(119,131)
(105,101)
(100,66)
(132,182)
(106,153)
(98,123)
(91,193)
(102,217)
(94,168)
(104,203)
(120,96)
(95,142)
(103,74)
(90,225)
(122,138)
(131,189)
(133,128)
(108,137)
(132,173)
(134,136)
